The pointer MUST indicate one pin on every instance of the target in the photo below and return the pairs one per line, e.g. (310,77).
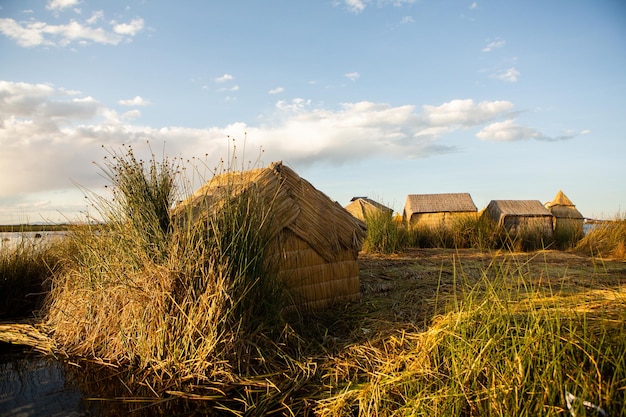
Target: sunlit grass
(500,346)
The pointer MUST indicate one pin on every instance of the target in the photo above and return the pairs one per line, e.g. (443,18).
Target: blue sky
(382,98)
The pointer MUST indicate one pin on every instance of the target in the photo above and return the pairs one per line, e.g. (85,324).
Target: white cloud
(224,78)
(233,88)
(58,5)
(407,19)
(352,76)
(355,6)
(509,75)
(473,6)
(130,28)
(95,17)
(509,131)
(35,33)
(465,113)
(498,43)
(136,101)
(276,90)
(49,136)
(131,115)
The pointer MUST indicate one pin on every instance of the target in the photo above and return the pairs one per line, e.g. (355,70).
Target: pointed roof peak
(560,200)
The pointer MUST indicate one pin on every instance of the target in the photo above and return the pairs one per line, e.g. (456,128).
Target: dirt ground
(406,290)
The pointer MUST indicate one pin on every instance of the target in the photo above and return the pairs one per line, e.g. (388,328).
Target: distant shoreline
(16,228)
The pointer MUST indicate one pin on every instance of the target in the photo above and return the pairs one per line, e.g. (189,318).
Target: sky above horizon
(380,98)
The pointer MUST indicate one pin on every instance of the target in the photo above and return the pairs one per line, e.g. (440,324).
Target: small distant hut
(567,218)
(518,215)
(313,240)
(363,207)
(435,210)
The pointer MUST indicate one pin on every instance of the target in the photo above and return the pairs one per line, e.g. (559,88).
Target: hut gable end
(434,210)
(362,207)
(436,203)
(313,240)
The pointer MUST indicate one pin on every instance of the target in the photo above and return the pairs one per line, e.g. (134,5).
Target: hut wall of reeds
(517,215)
(437,210)
(566,216)
(363,207)
(314,242)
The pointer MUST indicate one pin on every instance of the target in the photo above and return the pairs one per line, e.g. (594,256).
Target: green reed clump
(144,192)
(504,346)
(25,269)
(383,233)
(606,239)
(457,232)
(567,234)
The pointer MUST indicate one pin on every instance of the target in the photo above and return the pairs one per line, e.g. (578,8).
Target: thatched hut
(435,210)
(566,216)
(363,207)
(518,215)
(314,242)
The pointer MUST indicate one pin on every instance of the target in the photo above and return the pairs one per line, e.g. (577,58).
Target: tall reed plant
(605,239)
(187,298)
(383,233)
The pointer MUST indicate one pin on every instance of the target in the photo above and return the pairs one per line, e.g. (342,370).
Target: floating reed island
(248,295)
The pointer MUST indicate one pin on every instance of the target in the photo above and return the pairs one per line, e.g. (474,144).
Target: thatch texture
(363,207)
(515,215)
(562,207)
(566,216)
(314,242)
(434,210)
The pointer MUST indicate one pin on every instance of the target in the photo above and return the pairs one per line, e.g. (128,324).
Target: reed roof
(528,208)
(436,203)
(361,206)
(563,207)
(296,206)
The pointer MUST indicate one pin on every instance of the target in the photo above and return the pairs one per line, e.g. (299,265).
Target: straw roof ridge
(532,208)
(435,203)
(296,205)
(375,204)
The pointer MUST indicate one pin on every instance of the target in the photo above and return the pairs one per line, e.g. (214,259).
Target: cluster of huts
(434,210)
(315,241)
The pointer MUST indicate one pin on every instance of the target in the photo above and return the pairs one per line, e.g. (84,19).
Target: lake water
(32,385)
(12,239)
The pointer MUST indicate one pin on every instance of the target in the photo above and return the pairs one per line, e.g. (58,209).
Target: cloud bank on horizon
(59,126)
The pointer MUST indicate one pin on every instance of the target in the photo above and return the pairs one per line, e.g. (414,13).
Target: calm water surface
(32,385)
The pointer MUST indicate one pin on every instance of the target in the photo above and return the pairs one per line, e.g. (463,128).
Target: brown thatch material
(516,214)
(314,241)
(437,209)
(363,207)
(562,207)
(566,216)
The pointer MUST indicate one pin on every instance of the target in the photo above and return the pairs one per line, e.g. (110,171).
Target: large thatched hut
(520,215)
(363,207)
(314,242)
(435,210)
(566,217)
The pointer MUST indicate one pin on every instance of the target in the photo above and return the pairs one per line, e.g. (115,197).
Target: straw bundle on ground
(314,242)
(435,210)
